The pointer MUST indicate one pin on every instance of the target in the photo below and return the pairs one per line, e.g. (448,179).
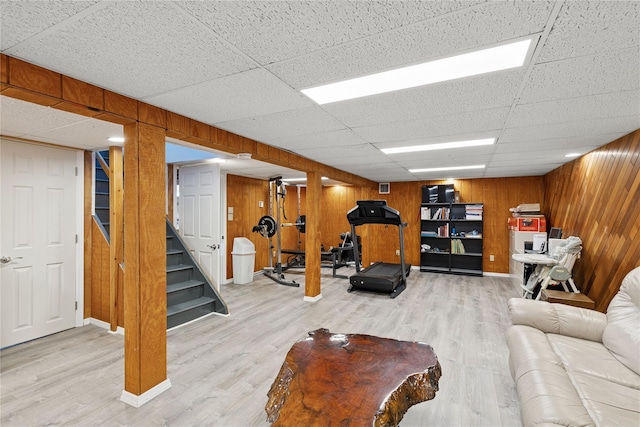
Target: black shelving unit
(451,238)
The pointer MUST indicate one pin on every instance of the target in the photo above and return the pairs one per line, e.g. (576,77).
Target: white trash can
(244,259)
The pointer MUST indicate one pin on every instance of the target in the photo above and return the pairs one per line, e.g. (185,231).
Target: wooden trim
(312,235)
(88,198)
(116,234)
(170,195)
(145,308)
(35,84)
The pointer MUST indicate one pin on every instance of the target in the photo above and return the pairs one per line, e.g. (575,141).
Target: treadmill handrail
(374,212)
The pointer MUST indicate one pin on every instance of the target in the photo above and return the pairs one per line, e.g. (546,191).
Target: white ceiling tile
(54,126)
(343,151)
(251,93)
(571,143)
(303,121)
(21,20)
(588,27)
(452,127)
(446,35)
(574,109)
(276,30)
(587,75)
(324,139)
(135,48)
(624,125)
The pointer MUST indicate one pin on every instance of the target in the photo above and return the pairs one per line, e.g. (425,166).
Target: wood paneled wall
(597,198)
(379,242)
(99,287)
(244,196)
(497,194)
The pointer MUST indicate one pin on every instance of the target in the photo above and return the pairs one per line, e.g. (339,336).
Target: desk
(348,379)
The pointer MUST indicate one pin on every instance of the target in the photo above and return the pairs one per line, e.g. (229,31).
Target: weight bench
(335,254)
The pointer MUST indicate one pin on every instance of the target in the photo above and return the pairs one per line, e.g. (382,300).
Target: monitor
(555,233)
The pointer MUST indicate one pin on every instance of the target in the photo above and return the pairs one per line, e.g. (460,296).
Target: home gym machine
(379,276)
(269,227)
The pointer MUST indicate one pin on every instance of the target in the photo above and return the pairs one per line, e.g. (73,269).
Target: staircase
(102,192)
(190,294)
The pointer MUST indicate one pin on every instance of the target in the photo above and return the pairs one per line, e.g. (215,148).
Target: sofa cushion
(621,335)
(608,403)
(592,358)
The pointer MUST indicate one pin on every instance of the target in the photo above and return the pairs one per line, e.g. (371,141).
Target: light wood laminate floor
(222,367)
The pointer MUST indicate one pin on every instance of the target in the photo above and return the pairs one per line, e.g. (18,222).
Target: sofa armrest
(558,318)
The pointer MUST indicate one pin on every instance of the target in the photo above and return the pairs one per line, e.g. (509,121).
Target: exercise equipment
(268,227)
(379,276)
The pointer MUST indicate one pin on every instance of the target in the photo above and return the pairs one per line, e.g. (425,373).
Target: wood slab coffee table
(351,380)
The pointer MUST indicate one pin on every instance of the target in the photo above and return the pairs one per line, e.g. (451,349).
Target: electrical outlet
(398,252)
(492,258)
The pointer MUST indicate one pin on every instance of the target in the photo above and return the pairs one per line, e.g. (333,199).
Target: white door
(37,241)
(200,215)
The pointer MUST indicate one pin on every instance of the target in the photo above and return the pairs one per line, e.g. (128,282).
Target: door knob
(8,259)
(213,247)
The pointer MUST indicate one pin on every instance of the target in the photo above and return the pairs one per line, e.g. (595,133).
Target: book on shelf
(425,213)
(473,212)
(457,247)
(428,234)
(443,230)
(441,213)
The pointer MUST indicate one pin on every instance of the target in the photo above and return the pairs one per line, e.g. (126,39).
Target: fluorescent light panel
(439,146)
(504,57)
(573,155)
(450,168)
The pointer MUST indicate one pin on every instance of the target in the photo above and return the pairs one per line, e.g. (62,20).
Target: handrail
(103,163)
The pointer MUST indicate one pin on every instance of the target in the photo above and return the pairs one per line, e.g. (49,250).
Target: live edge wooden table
(351,380)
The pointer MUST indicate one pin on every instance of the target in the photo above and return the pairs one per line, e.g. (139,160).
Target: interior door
(199,203)
(37,241)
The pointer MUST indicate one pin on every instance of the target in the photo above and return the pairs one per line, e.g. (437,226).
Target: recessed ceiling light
(115,139)
(450,168)
(503,57)
(573,155)
(439,146)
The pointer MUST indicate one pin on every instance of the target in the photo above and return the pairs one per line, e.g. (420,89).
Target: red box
(528,224)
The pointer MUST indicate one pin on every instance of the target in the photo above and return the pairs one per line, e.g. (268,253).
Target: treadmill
(379,276)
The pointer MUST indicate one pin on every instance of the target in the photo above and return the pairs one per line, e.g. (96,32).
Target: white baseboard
(137,401)
(104,325)
(313,299)
(496,274)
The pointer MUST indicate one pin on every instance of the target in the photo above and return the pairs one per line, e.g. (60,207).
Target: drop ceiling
(240,65)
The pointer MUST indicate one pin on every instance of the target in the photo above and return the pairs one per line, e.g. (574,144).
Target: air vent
(384,188)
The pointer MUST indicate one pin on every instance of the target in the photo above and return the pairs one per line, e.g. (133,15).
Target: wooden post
(116,232)
(312,291)
(145,301)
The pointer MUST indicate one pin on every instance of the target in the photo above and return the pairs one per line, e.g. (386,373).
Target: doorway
(39,217)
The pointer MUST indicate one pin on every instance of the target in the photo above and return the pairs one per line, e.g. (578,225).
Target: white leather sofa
(578,367)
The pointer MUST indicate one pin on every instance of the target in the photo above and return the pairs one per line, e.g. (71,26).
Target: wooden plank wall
(99,285)
(379,242)
(244,195)
(597,198)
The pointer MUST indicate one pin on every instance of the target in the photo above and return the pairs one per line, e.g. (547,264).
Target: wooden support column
(145,301)
(312,237)
(116,230)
